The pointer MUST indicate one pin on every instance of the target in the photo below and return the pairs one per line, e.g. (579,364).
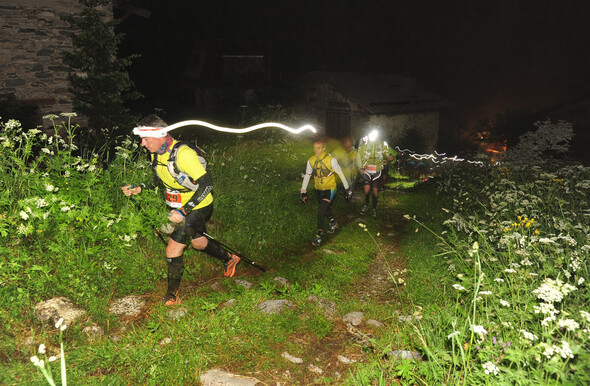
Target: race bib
(173,199)
(371,168)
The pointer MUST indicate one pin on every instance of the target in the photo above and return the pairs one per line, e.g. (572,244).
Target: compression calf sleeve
(175,271)
(215,250)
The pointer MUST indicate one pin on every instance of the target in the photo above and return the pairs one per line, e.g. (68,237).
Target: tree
(101,85)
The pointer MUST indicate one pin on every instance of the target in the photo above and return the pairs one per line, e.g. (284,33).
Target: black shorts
(374,180)
(327,194)
(193,225)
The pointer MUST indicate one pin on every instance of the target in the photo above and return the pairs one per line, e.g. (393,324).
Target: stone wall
(31,45)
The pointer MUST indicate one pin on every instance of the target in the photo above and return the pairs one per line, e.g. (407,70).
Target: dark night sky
(483,56)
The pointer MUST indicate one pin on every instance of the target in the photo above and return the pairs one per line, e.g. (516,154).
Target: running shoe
(230,265)
(317,241)
(333,226)
(171,300)
(365,209)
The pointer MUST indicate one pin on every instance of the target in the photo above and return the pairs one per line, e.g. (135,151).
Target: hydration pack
(182,178)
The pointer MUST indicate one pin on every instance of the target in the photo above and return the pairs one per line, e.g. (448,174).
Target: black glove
(303,197)
(348,194)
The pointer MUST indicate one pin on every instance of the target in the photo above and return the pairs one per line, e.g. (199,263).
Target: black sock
(215,250)
(175,271)
(367,199)
(375,199)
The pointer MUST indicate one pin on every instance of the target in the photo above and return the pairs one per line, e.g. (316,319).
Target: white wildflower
(59,323)
(564,350)
(35,359)
(490,368)
(49,187)
(509,270)
(504,303)
(553,290)
(485,292)
(568,324)
(453,334)
(499,280)
(41,349)
(528,335)
(23,215)
(458,287)
(477,329)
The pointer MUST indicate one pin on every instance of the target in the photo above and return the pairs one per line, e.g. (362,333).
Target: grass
(448,266)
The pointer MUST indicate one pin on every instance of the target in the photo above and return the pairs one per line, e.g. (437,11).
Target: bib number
(173,199)
(371,168)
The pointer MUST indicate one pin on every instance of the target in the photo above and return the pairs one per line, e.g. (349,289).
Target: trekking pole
(246,260)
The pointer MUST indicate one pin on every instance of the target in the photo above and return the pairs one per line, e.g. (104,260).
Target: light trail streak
(240,131)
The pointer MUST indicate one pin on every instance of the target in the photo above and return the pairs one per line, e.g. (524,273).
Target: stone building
(351,104)
(32,73)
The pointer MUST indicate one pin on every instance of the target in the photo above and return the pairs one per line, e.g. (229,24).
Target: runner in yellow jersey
(322,167)
(188,196)
(372,156)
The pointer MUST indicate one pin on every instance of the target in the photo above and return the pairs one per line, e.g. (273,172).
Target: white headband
(152,132)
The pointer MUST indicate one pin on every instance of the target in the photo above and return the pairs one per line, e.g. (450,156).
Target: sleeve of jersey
(188,162)
(307,176)
(336,167)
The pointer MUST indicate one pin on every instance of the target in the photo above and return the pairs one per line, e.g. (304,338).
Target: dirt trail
(382,284)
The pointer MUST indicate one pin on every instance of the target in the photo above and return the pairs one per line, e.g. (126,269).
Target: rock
(167,228)
(404,354)
(329,252)
(409,318)
(229,303)
(94,332)
(177,313)
(217,286)
(216,377)
(246,284)
(328,306)
(354,318)
(56,308)
(345,360)
(291,358)
(128,306)
(282,282)
(315,369)
(374,323)
(274,306)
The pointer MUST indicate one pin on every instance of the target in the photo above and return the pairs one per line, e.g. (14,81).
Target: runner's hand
(130,190)
(303,197)
(348,194)
(175,216)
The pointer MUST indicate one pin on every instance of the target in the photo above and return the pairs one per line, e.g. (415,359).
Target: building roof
(381,93)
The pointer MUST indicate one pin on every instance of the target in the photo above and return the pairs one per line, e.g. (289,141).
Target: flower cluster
(553,290)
